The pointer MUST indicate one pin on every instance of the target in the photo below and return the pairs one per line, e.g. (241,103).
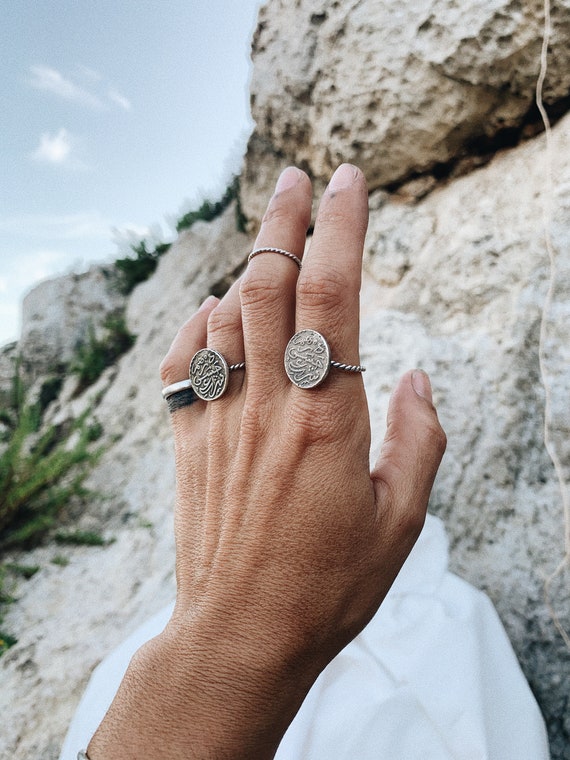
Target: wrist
(190,694)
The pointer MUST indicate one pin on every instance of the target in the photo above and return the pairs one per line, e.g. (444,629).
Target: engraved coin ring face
(209,374)
(307,359)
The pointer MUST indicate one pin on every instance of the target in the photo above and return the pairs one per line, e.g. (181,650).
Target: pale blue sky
(113,114)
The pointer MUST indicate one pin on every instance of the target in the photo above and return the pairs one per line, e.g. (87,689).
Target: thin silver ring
(269,249)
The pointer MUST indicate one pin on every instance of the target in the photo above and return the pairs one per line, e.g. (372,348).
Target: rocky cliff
(435,103)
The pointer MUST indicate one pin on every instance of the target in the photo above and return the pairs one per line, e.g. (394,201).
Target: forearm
(189,696)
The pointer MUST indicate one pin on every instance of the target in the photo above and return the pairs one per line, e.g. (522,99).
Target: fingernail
(422,385)
(343,177)
(287,179)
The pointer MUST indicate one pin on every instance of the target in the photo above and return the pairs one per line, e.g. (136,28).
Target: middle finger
(267,288)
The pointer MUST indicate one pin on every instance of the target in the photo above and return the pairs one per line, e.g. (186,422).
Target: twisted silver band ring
(348,367)
(308,360)
(269,249)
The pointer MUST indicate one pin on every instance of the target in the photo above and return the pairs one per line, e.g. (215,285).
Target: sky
(116,116)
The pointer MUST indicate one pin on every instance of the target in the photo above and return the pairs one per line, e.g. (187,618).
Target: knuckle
(221,322)
(169,369)
(322,289)
(259,290)
(277,213)
(316,422)
(411,522)
(284,210)
(406,510)
(255,421)
(436,437)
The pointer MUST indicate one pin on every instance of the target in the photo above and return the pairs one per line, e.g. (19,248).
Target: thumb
(410,456)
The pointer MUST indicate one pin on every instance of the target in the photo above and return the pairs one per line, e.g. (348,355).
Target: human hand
(286,542)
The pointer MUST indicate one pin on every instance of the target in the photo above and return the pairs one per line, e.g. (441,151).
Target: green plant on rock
(82,538)
(39,474)
(96,354)
(210,210)
(42,471)
(11,402)
(132,270)
(6,639)
(11,570)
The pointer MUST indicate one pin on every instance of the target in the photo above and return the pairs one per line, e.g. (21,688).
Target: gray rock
(463,277)
(8,363)
(397,89)
(58,315)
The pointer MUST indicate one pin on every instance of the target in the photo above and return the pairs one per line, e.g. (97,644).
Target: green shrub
(6,639)
(81,538)
(12,401)
(96,354)
(210,210)
(41,472)
(24,571)
(133,270)
(6,597)
(37,481)
(60,560)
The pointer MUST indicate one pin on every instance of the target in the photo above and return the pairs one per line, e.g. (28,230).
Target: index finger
(329,284)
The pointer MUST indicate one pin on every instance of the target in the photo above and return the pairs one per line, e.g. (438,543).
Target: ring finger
(174,367)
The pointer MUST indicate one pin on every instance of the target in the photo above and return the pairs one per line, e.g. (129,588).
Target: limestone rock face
(8,358)
(58,314)
(396,88)
(457,280)
(462,278)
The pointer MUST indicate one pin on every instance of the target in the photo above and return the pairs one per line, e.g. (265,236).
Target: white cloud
(119,99)
(54,149)
(86,72)
(50,80)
